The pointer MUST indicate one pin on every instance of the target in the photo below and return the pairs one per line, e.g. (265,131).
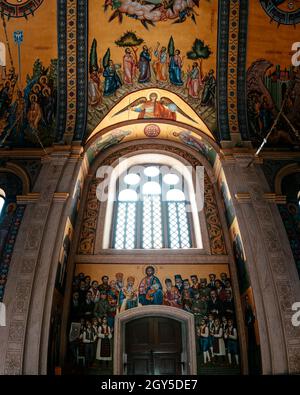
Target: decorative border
(232,52)
(73,69)
(82,69)
(242,71)
(223,34)
(62,69)
(233,47)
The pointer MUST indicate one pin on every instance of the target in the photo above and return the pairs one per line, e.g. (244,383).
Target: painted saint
(209,91)
(129,67)
(160,66)
(150,289)
(172,296)
(128,297)
(194,81)
(144,65)
(175,69)
(94,89)
(112,80)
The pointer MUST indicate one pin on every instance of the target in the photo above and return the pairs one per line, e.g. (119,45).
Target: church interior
(149,187)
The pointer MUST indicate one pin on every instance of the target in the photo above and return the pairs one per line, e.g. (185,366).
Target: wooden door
(153,346)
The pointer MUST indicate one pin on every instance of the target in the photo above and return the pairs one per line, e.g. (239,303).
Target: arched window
(152,209)
(2,200)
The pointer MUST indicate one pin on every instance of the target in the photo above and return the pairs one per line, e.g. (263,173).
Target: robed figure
(150,289)
(172,296)
(175,66)
(144,66)
(112,80)
(194,81)
(128,66)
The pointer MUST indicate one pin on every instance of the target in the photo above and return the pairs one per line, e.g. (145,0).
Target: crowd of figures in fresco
(164,66)
(27,116)
(95,305)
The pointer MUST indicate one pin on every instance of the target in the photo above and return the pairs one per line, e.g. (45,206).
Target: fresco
(100,292)
(276,42)
(19,9)
(28,74)
(179,57)
(150,12)
(270,88)
(272,80)
(152,131)
(285,12)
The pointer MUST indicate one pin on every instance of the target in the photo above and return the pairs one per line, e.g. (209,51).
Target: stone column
(271,266)
(30,284)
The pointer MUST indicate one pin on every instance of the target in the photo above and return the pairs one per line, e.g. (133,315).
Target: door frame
(189,353)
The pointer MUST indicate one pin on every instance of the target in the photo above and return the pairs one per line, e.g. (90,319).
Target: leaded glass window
(150,211)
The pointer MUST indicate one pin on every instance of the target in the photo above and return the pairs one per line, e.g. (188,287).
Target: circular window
(171,179)
(151,171)
(132,179)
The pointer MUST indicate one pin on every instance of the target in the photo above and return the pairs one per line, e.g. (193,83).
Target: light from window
(175,195)
(2,199)
(171,179)
(145,218)
(151,188)
(152,231)
(128,195)
(178,226)
(132,179)
(151,171)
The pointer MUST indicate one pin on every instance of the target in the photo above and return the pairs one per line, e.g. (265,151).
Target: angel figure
(151,108)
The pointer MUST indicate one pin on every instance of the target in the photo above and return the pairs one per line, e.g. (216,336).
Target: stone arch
(284,172)
(186,319)
(188,155)
(20,173)
(178,151)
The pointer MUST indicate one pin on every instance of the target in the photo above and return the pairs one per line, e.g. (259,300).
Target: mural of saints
(211,303)
(128,297)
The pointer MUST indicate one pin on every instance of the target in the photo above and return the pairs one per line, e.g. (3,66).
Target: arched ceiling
(151,105)
(235,98)
(196,140)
